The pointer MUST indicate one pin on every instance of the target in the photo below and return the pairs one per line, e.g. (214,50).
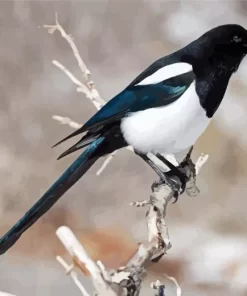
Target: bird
(164,110)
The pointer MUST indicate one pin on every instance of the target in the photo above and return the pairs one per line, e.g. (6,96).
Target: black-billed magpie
(164,110)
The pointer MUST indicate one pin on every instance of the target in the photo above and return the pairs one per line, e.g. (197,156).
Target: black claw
(183,186)
(183,180)
(178,172)
(175,197)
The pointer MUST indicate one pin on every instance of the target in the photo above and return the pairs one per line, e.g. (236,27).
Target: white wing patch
(166,73)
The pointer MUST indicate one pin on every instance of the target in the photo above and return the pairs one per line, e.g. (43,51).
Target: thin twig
(178,288)
(85,71)
(200,162)
(69,270)
(68,73)
(88,88)
(69,39)
(106,162)
(66,120)
(89,93)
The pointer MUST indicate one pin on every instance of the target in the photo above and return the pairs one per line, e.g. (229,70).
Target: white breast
(169,129)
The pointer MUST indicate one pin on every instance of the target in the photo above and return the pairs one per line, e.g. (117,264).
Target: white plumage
(169,129)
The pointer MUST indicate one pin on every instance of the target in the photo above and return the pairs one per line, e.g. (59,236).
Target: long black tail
(78,168)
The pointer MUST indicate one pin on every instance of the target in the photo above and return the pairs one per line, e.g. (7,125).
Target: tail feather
(79,145)
(76,133)
(77,169)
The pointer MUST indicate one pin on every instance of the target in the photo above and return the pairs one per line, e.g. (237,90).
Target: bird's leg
(163,176)
(152,165)
(174,171)
(177,170)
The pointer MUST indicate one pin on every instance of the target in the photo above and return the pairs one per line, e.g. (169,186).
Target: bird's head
(223,47)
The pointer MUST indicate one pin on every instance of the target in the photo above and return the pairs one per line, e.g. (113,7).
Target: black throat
(211,86)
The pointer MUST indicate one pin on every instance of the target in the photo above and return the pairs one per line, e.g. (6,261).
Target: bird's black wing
(137,97)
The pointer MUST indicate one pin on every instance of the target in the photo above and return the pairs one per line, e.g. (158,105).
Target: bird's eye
(237,39)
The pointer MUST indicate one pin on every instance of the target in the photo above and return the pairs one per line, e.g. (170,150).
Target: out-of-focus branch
(69,270)
(178,288)
(66,120)
(52,28)
(87,87)
(106,162)
(77,251)
(5,294)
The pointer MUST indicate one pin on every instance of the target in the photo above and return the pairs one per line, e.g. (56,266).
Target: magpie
(164,110)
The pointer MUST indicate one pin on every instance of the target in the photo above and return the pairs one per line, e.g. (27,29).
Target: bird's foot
(188,166)
(188,171)
(175,180)
(178,177)
(166,180)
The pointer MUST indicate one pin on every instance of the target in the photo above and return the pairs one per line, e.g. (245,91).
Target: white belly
(168,129)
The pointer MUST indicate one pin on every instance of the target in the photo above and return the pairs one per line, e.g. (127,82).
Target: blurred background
(117,39)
